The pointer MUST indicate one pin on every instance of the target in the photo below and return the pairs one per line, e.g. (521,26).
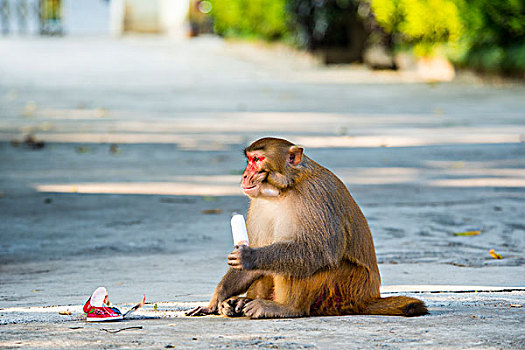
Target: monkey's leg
(261,308)
(346,290)
(263,288)
(233,283)
(234,306)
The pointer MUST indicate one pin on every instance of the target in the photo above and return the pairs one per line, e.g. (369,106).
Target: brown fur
(311,251)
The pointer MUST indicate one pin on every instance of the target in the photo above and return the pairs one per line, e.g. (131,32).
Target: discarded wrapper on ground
(98,307)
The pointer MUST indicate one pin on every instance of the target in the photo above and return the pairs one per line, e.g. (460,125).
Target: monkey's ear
(295,153)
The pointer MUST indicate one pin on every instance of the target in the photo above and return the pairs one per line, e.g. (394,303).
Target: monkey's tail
(396,306)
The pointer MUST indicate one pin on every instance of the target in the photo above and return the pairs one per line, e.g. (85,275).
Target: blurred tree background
(487,35)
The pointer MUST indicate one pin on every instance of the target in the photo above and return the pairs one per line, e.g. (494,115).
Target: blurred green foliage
(484,34)
(494,39)
(424,23)
(487,35)
(265,19)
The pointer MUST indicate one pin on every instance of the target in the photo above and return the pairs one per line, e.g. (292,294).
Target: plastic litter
(99,309)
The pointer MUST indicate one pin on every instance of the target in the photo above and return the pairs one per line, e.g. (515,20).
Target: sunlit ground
(192,130)
(208,96)
(120,164)
(224,131)
(220,185)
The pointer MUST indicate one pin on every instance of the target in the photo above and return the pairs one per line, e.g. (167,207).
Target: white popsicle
(240,235)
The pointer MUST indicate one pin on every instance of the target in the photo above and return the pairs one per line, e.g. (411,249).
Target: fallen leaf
(495,255)
(113,148)
(467,233)
(155,307)
(67,312)
(212,211)
(33,143)
(82,149)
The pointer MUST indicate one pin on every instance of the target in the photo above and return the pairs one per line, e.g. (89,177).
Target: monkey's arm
(233,283)
(292,258)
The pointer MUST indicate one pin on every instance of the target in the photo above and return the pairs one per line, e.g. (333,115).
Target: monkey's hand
(242,258)
(203,311)
(211,309)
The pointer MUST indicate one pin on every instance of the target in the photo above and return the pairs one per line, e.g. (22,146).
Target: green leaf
(467,233)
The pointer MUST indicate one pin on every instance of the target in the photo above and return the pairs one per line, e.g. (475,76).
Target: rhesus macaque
(311,251)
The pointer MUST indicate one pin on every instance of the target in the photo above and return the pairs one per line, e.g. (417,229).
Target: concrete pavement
(138,175)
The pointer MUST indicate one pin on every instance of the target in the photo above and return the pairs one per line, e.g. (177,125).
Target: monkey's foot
(233,307)
(202,311)
(261,308)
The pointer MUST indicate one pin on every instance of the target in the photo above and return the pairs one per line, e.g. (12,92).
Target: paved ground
(138,176)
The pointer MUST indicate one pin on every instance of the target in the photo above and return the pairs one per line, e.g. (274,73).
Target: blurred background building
(93,17)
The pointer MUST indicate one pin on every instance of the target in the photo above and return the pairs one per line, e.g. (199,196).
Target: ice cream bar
(240,235)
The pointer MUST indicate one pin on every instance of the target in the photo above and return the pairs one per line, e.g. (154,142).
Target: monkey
(311,251)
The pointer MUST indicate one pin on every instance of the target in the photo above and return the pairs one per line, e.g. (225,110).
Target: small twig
(113,331)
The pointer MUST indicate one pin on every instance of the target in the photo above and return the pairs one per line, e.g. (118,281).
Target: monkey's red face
(253,178)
